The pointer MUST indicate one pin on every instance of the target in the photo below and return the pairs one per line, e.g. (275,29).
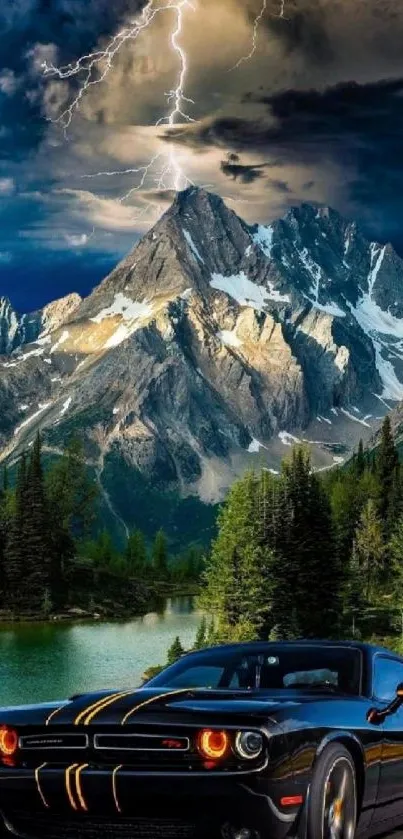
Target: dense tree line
(138,559)
(46,520)
(304,554)
(42,517)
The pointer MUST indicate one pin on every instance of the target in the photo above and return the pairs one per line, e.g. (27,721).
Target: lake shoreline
(43,661)
(116,613)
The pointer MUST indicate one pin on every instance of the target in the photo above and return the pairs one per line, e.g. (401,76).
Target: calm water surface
(52,661)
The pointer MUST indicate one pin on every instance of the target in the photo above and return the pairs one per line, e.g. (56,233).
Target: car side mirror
(376,716)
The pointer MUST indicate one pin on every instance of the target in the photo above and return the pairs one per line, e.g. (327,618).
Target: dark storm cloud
(279,185)
(356,127)
(72,27)
(360,128)
(224,132)
(321,111)
(246,174)
(306,31)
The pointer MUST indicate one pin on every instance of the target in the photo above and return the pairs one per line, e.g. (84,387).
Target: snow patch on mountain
(66,406)
(122,333)
(64,337)
(382,327)
(42,407)
(315,271)
(192,246)
(9,325)
(263,238)
(132,312)
(129,309)
(288,439)
(230,339)
(354,418)
(245,292)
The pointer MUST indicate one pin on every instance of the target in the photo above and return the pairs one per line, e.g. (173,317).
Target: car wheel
(332,803)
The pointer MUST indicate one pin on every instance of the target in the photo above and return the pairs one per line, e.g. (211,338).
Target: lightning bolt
(255,32)
(282,9)
(163,171)
(255,35)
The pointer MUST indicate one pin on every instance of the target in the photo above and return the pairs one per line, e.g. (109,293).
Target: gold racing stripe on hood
(38,784)
(80,795)
(69,770)
(115,795)
(88,713)
(153,699)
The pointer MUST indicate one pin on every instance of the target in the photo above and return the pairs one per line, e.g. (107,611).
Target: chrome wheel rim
(339,803)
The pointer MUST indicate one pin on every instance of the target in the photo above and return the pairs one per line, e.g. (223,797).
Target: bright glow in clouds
(163,170)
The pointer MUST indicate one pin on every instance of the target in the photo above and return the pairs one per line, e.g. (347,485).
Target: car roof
(368,649)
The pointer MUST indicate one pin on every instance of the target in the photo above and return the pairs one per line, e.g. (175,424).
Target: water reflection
(50,661)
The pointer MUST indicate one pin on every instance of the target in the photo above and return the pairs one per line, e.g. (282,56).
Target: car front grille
(52,826)
(142,748)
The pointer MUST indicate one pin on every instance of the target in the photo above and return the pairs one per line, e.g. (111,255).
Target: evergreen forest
(311,555)
(301,554)
(51,560)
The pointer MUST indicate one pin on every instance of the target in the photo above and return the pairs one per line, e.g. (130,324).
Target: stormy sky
(314,113)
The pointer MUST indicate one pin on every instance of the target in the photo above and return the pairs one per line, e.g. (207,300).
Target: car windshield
(326,668)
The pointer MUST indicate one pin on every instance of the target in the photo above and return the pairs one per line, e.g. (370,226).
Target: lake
(40,661)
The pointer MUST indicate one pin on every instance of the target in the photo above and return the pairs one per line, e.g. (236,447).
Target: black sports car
(245,741)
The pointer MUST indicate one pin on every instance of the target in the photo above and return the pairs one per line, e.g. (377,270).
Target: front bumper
(101,804)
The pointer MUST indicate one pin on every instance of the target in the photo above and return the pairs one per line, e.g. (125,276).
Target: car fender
(355,747)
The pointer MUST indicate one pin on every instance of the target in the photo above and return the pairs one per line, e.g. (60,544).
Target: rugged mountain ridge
(17,330)
(211,342)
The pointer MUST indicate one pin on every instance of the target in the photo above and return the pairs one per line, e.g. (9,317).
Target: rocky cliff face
(17,330)
(213,345)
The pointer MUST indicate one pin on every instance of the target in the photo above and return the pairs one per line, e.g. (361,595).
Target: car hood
(128,706)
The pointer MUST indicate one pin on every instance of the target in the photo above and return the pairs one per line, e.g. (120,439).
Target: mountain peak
(211,341)
(198,201)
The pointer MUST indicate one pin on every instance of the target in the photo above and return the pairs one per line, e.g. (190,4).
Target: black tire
(332,802)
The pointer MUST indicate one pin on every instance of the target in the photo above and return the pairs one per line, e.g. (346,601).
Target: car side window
(388,673)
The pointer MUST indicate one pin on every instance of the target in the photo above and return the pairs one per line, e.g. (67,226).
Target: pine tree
(307,573)
(369,548)
(175,651)
(2,551)
(354,596)
(396,556)
(388,472)
(15,557)
(136,554)
(160,556)
(201,636)
(37,540)
(70,490)
(103,550)
(233,578)
(360,463)
(211,636)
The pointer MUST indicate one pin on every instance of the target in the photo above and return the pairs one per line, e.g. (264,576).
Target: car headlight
(213,744)
(8,741)
(249,744)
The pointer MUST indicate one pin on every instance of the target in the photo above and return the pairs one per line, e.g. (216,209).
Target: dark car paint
(298,724)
